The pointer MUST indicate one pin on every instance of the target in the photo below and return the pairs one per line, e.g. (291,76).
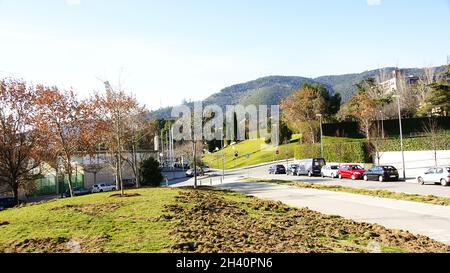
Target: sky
(168,51)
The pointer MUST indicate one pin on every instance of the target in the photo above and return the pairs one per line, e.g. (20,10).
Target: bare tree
(434,134)
(376,142)
(139,133)
(423,88)
(113,111)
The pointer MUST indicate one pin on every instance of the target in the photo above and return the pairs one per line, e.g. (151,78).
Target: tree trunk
(69,173)
(136,167)
(15,190)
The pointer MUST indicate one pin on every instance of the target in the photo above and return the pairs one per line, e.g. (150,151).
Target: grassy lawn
(100,223)
(187,220)
(259,152)
(429,199)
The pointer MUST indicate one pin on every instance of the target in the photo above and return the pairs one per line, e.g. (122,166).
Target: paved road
(404,187)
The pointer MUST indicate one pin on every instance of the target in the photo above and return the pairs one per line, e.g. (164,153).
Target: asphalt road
(409,186)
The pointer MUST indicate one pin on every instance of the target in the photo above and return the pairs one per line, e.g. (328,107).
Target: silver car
(435,175)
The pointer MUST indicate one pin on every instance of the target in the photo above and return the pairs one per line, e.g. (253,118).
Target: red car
(351,171)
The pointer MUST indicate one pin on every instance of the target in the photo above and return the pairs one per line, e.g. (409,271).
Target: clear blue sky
(169,50)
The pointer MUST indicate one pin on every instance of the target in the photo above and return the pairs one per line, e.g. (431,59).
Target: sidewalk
(418,218)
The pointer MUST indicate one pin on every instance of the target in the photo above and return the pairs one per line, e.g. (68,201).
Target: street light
(321,134)
(223,152)
(401,133)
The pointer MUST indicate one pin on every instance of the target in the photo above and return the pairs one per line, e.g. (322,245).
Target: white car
(435,175)
(103,188)
(330,171)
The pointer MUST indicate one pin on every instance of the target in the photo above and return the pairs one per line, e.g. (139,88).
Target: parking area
(410,186)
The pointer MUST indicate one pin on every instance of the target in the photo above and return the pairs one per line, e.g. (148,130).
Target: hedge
(441,142)
(360,151)
(335,152)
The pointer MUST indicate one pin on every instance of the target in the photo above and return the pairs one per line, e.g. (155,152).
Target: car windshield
(319,162)
(355,167)
(389,168)
(334,167)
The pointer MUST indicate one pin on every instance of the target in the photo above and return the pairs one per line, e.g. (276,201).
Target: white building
(398,81)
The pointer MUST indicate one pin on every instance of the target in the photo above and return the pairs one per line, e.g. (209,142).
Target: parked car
(292,169)
(205,169)
(381,173)
(128,183)
(311,167)
(435,175)
(78,192)
(277,169)
(330,171)
(192,173)
(8,202)
(103,188)
(352,171)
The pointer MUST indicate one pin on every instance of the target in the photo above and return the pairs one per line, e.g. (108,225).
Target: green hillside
(258,151)
(271,90)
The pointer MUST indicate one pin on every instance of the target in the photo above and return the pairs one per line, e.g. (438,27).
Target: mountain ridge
(270,90)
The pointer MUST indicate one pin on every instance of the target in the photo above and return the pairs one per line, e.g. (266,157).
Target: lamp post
(401,134)
(195,163)
(223,152)
(321,134)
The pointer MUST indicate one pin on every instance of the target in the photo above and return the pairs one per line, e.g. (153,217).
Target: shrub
(441,142)
(335,152)
(151,173)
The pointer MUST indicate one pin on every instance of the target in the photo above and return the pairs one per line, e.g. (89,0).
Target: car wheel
(443,182)
(353,177)
(421,181)
(340,176)
(309,174)
(380,178)
(366,178)
(332,176)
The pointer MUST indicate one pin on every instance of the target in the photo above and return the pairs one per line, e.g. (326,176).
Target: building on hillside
(398,80)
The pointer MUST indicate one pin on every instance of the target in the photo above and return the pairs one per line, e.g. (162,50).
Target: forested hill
(271,90)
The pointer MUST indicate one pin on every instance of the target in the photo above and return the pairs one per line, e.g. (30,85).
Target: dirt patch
(85,244)
(44,245)
(92,209)
(126,195)
(4,223)
(205,221)
(88,244)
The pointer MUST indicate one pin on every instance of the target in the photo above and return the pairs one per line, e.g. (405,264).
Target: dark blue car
(8,202)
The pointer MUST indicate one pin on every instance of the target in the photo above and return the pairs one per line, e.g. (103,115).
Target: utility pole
(223,153)
(401,134)
(287,154)
(321,134)
(195,164)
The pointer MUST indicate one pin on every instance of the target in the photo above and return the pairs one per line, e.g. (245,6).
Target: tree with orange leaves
(301,109)
(22,146)
(67,124)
